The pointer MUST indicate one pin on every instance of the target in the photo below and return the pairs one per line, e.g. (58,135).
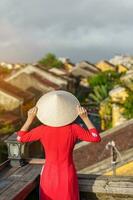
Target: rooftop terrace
(18,182)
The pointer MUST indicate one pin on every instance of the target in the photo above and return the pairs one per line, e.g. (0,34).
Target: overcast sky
(78,29)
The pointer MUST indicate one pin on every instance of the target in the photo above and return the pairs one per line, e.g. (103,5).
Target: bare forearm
(84,116)
(26,125)
(31,115)
(88,123)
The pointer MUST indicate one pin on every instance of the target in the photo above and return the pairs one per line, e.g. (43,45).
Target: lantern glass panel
(14,150)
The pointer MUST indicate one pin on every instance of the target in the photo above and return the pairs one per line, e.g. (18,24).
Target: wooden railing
(18,183)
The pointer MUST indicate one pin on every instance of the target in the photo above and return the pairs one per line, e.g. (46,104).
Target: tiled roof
(44,80)
(9,118)
(107,62)
(15,91)
(89,69)
(89,63)
(52,73)
(117,134)
(58,71)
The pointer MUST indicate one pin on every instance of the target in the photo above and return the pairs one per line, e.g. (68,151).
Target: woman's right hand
(32,113)
(82,112)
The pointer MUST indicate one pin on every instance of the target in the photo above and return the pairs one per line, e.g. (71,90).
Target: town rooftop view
(104,88)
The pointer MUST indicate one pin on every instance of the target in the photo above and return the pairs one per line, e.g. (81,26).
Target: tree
(128,106)
(6,128)
(105,112)
(100,85)
(50,61)
(108,78)
(100,92)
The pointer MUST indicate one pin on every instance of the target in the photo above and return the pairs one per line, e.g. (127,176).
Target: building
(9,122)
(63,81)
(14,99)
(118,94)
(68,65)
(34,83)
(123,166)
(121,68)
(58,71)
(104,65)
(84,69)
(127,79)
(87,155)
(125,60)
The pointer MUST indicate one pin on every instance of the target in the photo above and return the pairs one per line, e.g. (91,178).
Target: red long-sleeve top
(58,180)
(78,132)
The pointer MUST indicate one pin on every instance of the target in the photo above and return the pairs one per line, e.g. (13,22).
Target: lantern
(15,151)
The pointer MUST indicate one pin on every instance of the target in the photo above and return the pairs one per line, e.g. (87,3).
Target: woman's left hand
(32,113)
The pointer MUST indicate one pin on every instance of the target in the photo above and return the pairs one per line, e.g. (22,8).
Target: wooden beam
(35,161)
(106,184)
(4,164)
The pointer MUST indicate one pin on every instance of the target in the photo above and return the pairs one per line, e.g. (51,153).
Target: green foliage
(50,61)
(102,83)
(100,92)
(6,128)
(108,78)
(106,112)
(107,104)
(108,124)
(128,106)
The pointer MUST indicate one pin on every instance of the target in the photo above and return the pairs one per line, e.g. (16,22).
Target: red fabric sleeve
(90,135)
(29,136)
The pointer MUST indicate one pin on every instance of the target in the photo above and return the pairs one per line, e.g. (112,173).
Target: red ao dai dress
(58,180)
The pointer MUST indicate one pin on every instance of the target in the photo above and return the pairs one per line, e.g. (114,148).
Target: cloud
(87,29)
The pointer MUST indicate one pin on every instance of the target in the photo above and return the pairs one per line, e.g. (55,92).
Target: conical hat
(57,108)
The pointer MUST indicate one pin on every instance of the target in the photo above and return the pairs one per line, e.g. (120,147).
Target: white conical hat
(57,108)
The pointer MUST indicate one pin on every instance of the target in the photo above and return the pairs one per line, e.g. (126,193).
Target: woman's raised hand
(82,112)
(32,113)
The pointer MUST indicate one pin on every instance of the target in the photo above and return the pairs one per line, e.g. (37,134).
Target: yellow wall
(125,170)
(119,97)
(103,66)
(117,115)
(68,67)
(121,68)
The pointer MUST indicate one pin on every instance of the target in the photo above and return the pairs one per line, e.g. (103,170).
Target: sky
(77,29)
